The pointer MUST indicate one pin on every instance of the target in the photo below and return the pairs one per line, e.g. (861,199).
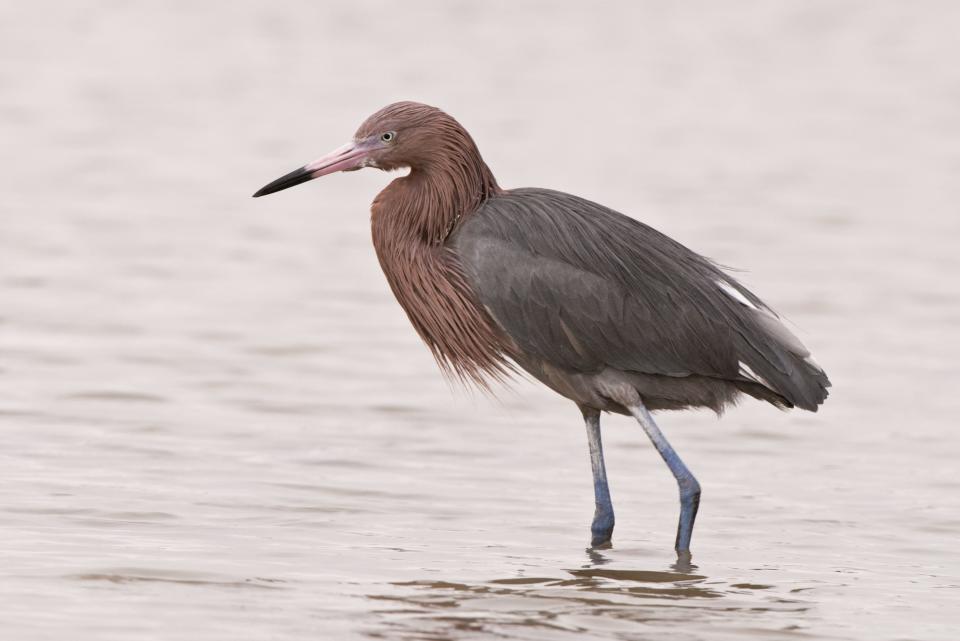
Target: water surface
(217,424)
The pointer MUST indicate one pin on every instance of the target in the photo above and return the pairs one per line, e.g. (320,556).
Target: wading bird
(599,307)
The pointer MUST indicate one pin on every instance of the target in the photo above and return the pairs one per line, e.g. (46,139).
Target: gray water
(216,423)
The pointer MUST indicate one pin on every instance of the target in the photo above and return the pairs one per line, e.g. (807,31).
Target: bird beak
(349,157)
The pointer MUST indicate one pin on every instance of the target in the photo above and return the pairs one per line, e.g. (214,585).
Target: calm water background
(217,424)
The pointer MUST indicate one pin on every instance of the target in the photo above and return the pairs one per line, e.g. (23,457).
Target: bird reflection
(559,602)
(596,558)
(683,565)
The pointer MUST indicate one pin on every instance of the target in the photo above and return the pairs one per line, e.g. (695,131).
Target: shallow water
(217,424)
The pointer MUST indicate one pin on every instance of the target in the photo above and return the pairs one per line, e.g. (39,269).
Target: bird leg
(602,527)
(689,488)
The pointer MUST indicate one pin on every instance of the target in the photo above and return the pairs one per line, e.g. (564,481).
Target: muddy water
(217,424)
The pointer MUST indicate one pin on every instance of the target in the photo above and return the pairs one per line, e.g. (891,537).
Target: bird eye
(388,136)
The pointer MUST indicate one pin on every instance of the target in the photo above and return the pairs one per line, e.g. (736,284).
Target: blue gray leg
(602,526)
(689,488)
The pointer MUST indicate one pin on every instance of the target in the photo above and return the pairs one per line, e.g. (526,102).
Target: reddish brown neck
(434,197)
(411,220)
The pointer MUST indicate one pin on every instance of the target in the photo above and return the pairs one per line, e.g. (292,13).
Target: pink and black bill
(351,156)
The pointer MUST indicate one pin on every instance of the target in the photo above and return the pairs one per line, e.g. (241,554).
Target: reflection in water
(592,599)
(140,575)
(215,416)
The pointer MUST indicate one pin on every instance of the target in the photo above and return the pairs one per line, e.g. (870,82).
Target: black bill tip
(295,177)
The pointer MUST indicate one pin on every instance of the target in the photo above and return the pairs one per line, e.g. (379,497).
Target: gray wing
(584,287)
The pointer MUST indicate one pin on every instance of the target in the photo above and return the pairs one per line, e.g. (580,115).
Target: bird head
(403,134)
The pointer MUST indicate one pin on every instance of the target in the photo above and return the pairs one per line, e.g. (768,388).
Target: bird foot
(684,562)
(600,539)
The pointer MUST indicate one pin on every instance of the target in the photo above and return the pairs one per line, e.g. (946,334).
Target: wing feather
(584,287)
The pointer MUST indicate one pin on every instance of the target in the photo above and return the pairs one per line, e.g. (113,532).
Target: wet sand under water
(217,424)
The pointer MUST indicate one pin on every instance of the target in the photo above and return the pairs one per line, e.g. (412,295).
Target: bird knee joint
(689,489)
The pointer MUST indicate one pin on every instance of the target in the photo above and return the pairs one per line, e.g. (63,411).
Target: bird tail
(774,365)
(782,365)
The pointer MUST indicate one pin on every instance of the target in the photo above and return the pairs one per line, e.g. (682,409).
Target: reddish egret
(599,307)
